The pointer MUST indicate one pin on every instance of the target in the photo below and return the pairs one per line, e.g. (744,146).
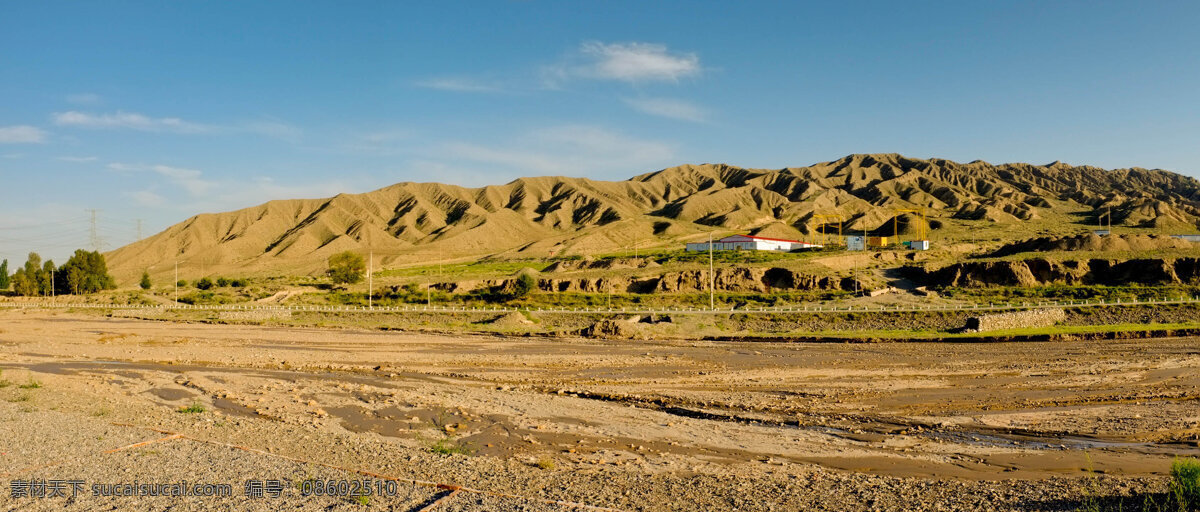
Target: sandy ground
(523,423)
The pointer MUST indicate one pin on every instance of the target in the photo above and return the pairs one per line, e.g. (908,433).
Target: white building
(856,243)
(752,243)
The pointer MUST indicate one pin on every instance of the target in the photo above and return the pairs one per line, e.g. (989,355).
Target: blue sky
(160,110)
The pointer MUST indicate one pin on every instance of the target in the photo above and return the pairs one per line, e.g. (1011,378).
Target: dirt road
(524,422)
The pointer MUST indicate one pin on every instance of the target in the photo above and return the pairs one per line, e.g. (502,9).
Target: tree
(4,280)
(204,283)
(524,285)
(346,267)
(23,284)
(27,280)
(145,283)
(84,272)
(75,280)
(46,278)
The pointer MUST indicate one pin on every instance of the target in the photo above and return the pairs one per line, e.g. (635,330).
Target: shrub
(524,285)
(181,283)
(237,283)
(1185,483)
(346,267)
(204,283)
(145,282)
(222,282)
(195,408)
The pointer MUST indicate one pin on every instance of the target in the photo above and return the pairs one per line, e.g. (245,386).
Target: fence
(801,308)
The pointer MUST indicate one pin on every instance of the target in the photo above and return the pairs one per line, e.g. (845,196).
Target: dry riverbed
(529,423)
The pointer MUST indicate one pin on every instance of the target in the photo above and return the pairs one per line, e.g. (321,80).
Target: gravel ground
(645,426)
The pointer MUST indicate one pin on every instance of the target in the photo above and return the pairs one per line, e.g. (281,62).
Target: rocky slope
(1041,271)
(418,222)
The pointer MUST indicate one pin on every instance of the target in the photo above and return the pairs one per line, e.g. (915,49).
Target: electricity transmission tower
(94,237)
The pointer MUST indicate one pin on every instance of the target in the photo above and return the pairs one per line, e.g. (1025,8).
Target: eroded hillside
(423,222)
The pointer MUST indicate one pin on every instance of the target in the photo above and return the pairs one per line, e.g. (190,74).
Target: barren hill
(426,222)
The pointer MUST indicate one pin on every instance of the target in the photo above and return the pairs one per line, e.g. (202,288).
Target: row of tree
(84,272)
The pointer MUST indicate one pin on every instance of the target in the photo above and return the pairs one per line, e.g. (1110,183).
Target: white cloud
(129,120)
(274,129)
(669,107)
(189,179)
(266,189)
(85,98)
(573,150)
(387,142)
(22,134)
(141,122)
(633,62)
(457,85)
(78,159)
(147,198)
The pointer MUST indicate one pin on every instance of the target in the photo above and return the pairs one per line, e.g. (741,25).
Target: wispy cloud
(84,98)
(78,159)
(669,107)
(387,142)
(22,134)
(128,120)
(147,197)
(573,150)
(628,62)
(141,122)
(190,180)
(274,129)
(457,85)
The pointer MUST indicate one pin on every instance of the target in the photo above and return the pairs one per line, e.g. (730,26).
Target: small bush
(1185,483)
(195,408)
(32,384)
(222,282)
(204,283)
(347,267)
(205,298)
(181,283)
(237,283)
(524,285)
(446,446)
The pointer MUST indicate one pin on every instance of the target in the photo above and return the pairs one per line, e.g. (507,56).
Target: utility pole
(176,281)
(370,287)
(712,279)
(94,238)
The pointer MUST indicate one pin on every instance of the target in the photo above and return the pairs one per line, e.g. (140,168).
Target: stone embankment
(257,315)
(1016,320)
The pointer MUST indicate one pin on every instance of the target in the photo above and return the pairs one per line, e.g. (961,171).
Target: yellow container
(877,241)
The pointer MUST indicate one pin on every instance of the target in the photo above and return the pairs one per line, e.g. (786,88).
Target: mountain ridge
(411,222)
